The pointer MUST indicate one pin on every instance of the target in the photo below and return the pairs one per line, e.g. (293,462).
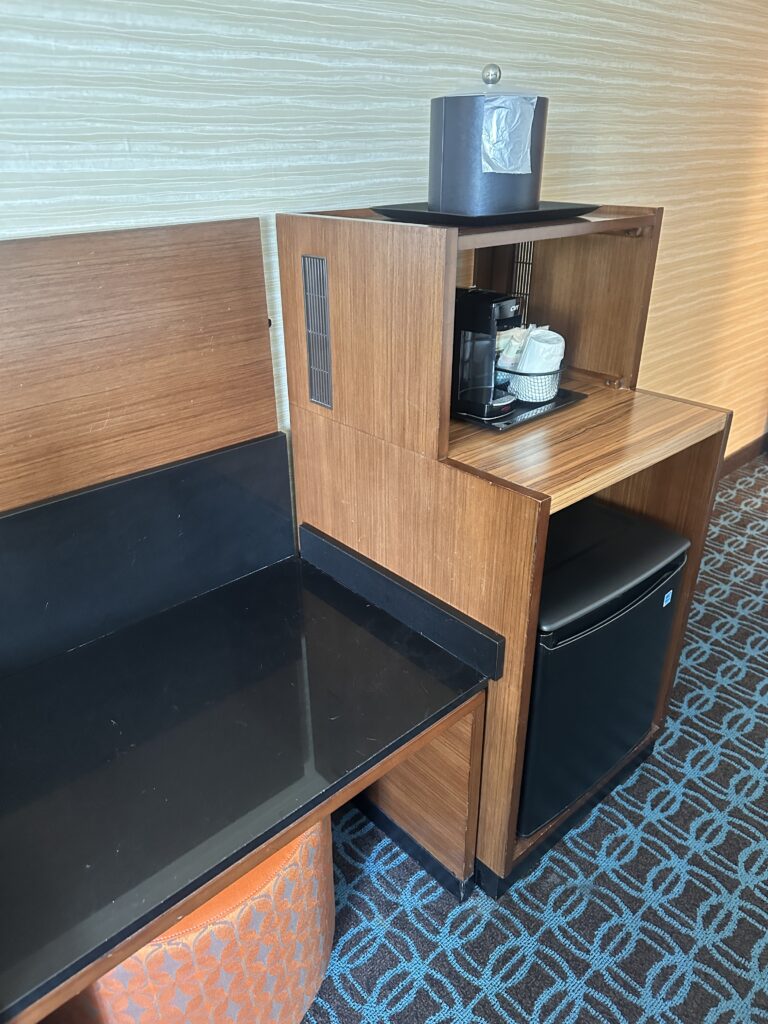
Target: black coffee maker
(480,316)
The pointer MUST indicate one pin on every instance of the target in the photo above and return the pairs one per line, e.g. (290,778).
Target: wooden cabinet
(462,511)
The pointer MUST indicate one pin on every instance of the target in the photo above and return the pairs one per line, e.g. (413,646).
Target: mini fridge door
(593,698)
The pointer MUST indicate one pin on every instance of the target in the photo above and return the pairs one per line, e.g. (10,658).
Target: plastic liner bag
(506,134)
(542,352)
(529,350)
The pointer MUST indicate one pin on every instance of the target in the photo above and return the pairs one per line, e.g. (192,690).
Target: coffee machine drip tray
(524,412)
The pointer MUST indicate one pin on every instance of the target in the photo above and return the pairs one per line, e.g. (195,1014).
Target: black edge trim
(469,641)
(461,888)
(494,885)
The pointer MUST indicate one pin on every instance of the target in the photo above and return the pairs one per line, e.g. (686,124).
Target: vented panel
(315,272)
(520,275)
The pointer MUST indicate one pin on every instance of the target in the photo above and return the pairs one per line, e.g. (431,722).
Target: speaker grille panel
(315,273)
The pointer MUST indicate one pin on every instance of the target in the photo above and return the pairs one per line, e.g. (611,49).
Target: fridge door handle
(657,584)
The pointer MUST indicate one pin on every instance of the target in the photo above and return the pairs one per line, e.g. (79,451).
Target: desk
(143,769)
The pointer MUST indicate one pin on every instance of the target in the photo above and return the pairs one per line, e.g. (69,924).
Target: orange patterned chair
(256,953)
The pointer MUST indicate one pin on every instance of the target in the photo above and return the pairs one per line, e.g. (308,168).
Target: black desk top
(137,767)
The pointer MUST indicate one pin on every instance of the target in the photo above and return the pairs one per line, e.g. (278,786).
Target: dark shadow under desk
(139,766)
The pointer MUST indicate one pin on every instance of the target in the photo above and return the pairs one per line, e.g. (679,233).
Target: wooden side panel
(469,540)
(460,536)
(444,774)
(128,349)
(390,287)
(595,291)
(677,493)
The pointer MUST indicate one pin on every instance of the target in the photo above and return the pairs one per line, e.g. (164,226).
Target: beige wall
(119,113)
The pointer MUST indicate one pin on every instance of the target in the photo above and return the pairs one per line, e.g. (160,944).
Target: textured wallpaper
(120,113)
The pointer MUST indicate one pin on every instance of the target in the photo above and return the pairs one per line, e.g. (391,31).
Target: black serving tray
(524,412)
(419,213)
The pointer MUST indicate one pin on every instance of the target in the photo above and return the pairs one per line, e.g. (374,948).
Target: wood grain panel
(571,455)
(126,350)
(471,541)
(677,493)
(390,287)
(444,774)
(40,1009)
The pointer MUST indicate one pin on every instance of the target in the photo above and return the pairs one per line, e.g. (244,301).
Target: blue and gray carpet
(654,910)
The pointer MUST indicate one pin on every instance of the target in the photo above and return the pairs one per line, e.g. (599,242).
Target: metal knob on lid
(491,74)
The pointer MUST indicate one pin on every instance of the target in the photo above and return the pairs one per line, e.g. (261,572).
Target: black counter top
(136,767)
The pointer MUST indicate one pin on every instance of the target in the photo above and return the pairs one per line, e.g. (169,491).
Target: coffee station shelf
(574,453)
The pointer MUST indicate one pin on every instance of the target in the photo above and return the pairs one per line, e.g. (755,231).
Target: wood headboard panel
(124,350)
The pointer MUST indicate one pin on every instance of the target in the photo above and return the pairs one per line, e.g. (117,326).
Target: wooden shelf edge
(604,220)
(510,485)
(592,224)
(724,413)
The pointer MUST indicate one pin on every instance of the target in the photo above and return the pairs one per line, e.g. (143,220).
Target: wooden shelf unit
(462,511)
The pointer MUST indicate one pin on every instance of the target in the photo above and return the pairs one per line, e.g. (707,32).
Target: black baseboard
(495,886)
(745,454)
(458,887)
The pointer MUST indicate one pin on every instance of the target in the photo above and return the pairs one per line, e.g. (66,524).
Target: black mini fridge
(607,601)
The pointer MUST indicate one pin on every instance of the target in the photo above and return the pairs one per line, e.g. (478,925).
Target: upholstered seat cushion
(255,953)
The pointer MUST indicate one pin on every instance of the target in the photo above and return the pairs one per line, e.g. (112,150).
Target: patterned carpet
(654,910)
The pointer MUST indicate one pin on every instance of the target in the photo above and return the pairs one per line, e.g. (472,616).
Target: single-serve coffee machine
(480,316)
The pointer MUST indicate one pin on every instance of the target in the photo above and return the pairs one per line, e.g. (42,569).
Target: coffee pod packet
(509,345)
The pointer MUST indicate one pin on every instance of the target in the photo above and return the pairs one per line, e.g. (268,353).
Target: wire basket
(529,387)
